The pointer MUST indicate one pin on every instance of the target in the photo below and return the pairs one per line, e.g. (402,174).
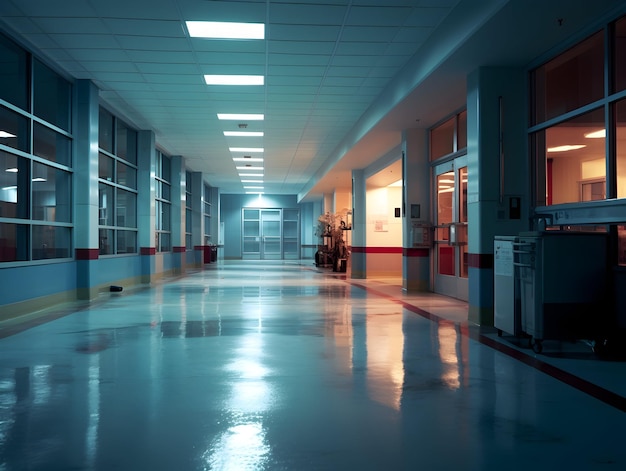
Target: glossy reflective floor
(272,366)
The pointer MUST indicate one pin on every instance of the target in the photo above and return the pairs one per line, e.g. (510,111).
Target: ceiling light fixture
(246,149)
(248,159)
(250,174)
(249,167)
(596,134)
(241,116)
(234,79)
(251,181)
(12,170)
(255,193)
(565,148)
(225,30)
(254,188)
(243,133)
(6,134)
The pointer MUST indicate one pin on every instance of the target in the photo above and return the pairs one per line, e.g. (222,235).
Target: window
(117,187)
(36,185)
(163,203)
(14,74)
(52,96)
(570,80)
(574,158)
(449,137)
(579,123)
(620,139)
(14,130)
(619,52)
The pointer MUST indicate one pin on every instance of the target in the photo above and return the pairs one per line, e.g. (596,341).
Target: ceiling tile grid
(324,63)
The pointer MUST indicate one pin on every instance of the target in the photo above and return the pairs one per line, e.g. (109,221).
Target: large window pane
(51,194)
(14,130)
(572,156)
(570,80)
(126,175)
(52,96)
(14,186)
(51,145)
(126,140)
(442,139)
(105,130)
(13,242)
(126,242)
(105,211)
(126,209)
(619,56)
(106,242)
(14,81)
(105,167)
(620,120)
(51,242)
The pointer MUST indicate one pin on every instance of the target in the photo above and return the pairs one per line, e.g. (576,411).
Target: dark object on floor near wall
(115,289)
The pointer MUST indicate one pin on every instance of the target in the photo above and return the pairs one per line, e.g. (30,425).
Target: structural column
(85,164)
(146,211)
(417,226)
(197,219)
(359,225)
(179,198)
(497,175)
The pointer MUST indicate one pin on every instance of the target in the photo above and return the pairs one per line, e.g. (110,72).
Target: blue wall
(33,281)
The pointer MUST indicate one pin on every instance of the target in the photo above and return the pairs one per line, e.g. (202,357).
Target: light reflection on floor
(292,370)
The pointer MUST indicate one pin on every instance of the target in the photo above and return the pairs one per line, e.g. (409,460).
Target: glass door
(271,234)
(451,256)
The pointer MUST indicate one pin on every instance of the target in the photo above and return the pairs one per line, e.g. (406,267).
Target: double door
(270,234)
(450,264)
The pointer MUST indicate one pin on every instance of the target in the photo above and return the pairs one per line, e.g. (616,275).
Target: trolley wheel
(537,345)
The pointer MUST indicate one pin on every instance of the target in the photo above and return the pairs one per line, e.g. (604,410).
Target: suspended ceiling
(343,78)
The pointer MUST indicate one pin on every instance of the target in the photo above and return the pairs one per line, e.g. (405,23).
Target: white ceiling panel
(80,25)
(302,33)
(306,14)
(378,15)
(326,63)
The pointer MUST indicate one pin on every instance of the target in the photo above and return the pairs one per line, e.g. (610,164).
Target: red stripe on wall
(480,260)
(377,250)
(87,254)
(413,252)
(148,251)
(179,249)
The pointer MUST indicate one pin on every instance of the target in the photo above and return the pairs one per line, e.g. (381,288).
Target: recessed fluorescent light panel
(246,149)
(248,159)
(253,188)
(596,134)
(565,148)
(234,79)
(249,168)
(254,193)
(241,116)
(243,133)
(6,134)
(250,174)
(225,30)
(251,181)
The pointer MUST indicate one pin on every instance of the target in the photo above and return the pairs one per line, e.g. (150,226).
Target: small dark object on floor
(115,289)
